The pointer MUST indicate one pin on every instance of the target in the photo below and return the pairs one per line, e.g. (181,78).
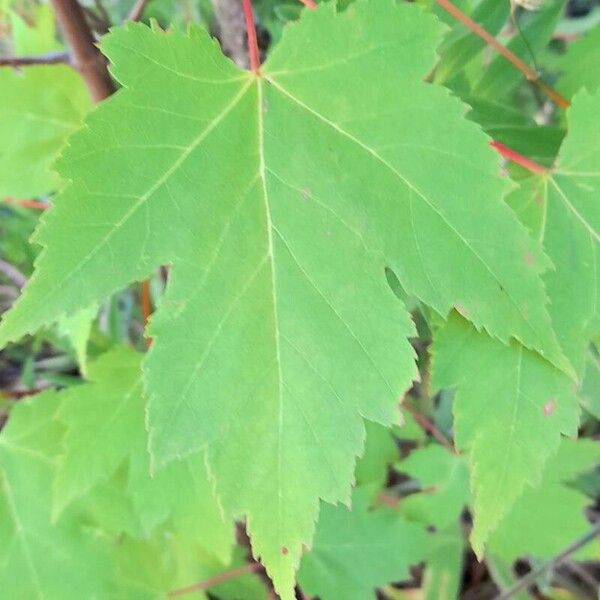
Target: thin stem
(52,58)
(86,56)
(34,204)
(530,74)
(531,577)
(146,302)
(137,10)
(518,158)
(216,580)
(428,426)
(253,53)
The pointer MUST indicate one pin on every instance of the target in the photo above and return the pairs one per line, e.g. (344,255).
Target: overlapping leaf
(534,401)
(563,211)
(105,428)
(279,198)
(118,531)
(356,551)
(104,422)
(443,572)
(550,517)
(39,559)
(444,478)
(579,64)
(39,108)
(380,452)
(510,409)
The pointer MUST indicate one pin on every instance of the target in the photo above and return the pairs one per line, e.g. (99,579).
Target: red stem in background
(530,74)
(505,151)
(34,204)
(517,158)
(253,54)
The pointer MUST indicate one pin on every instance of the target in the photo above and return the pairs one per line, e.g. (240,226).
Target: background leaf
(510,408)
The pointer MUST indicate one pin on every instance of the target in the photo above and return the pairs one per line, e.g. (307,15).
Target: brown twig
(231,30)
(92,66)
(137,10)
(530,74)
(428,426)
(531,577)
(86,56)
(52,58)
(216,580)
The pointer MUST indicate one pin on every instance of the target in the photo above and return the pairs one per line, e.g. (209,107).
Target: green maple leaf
(379,453)
(561,209)
(279,199)
(510,409)
(444,567)
(355,551)
(32,29)
(182,493)
(571,231)
(40,106)
(578,65)
(84,553)
(446,475)
(148,568)
(40,559)
(104,427)
(549,517)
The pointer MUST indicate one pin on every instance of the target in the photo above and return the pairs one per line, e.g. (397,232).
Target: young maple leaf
(511,419)
(279,197)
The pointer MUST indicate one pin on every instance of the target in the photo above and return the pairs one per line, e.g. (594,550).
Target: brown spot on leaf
(529,258)
(284,550)
(549,407)
(539,199)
